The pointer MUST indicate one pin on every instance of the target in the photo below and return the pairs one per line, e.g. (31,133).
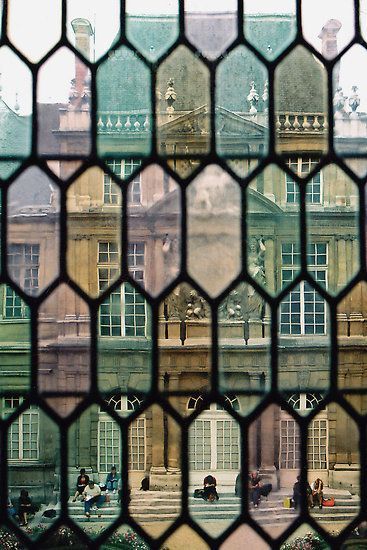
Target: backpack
(144,484)
(51,513)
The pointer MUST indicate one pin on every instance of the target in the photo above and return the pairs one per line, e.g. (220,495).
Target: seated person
(238,485)
(93,498)
(11,508)
(24,507)
(317,495)
(258,489)
(81,483)
(210,489)
(112,480)
(297,493)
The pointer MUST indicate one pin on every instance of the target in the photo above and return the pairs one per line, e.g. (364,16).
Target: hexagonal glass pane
(33,231)
(304,341)
(16,111)
(244,345)
(152,28)
(185,535)
(351,314)
(211,29)
(34,450)
(124,342)
(241,120)
(15,338)
(182,108)
(124,108)
(244,536)
(64,169)
(333,468)
(157,506)
(269,27)
(63,349)
(94,450)
(94,240)
(184,323)
(63,95)
(214,229)
(274,447)
(333,238)
(300,110)
(328,27)
(214,463)
(350,105)
(93,27)
(27,20)
(154,230)
(273,239)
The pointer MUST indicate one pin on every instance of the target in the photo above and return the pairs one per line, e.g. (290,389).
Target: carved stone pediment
(257,203)
(234,124)
(227,123)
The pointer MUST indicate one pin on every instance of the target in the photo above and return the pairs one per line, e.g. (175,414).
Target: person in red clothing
(81,483)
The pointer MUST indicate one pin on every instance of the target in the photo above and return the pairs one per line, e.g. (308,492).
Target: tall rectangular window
(23,265)
(136,259)
(108,263)
(23,439)
(123,168)
(303,166)
(303,310)
(14,307)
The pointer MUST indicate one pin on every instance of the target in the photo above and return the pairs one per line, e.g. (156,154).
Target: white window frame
(137,270)
(123,168)
(297,165)
(211,417)
(9,293)
(305,402)
(34,418)
(26,271)
(122,404)
(110,264)
(121,293)
(320,274)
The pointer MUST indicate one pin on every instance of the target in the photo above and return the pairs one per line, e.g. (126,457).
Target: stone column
(341,263)
(270,264)
(158,470)
(267,438)
(174,440)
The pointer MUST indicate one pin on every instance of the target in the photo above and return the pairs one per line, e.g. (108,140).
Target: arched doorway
(317,439)
(109,441)
(214,443)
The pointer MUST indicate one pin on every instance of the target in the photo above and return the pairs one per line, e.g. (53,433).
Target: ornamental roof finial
(170,96)
(253,98)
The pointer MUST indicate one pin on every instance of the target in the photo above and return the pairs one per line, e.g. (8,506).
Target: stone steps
(153,506)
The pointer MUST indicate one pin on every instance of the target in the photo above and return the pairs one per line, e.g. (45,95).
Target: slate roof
(29,192)
(124,81)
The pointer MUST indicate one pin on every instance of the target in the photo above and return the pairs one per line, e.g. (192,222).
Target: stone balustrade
(123,122)
(290,122)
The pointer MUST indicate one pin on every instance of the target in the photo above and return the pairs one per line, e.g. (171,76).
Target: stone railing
(123,122)
(291,122)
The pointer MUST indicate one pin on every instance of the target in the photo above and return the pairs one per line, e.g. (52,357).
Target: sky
(29,32)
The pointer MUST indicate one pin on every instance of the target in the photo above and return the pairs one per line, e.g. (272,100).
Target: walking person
(24,507)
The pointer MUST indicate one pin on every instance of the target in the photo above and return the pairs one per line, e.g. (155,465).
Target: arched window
(214,439)
(317,439)
(109,439)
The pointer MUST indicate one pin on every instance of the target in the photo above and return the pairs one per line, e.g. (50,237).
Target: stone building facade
(153,210)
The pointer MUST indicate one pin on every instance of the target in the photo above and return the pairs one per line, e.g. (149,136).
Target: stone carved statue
(184,303)
(241,304)
(170,257)
(256,260)
(339,100)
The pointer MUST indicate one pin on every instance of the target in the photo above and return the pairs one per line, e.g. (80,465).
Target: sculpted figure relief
(185,303)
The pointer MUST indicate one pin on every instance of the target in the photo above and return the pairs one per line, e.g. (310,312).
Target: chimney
(83,31)
(329,45)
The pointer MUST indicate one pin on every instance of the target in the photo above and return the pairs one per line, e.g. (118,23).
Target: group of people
(25,508)
(314,493)
(94,495)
